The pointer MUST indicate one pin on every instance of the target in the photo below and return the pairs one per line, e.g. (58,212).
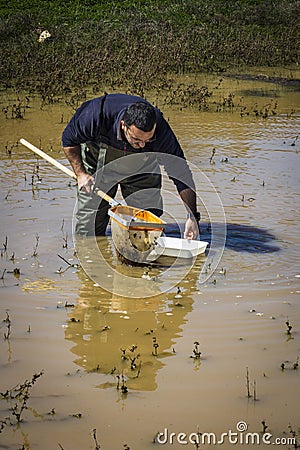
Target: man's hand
(84,180)
(188,197)
(191,230)
(85,183)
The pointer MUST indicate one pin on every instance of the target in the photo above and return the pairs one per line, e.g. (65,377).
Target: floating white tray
(178,248)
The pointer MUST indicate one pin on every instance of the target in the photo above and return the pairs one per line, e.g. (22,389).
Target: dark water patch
(258,93)
(243,238)
(290,82)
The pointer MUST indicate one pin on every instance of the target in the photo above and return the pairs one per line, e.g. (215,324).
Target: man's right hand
(85,183)
(84,180)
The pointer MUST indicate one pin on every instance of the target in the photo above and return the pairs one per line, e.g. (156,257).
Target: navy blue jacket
(90,125)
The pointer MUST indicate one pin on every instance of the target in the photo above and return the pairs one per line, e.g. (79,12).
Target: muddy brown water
(65,323)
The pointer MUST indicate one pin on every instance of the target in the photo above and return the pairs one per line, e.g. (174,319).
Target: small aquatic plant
(178,295)
(74,320)
(20,394)
(249,395)
(289,328)
(121,384)
(223,271)
(248,383)
(196,352)
(211,159)
(94,435)
(294,436)
(264,426)
(7,195)
(294,366)
(226,103)
(7,321)
(254,391)
(17,272)
(5,244)
(69,305)
(61,270)
(17,110)
(3,273)
(35,248)
(155,346)
(64,235)
(131,355)
(294,141)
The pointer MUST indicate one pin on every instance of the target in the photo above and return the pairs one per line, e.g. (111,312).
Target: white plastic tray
(178,248)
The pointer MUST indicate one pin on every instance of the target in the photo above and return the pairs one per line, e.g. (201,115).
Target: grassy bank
(137,43)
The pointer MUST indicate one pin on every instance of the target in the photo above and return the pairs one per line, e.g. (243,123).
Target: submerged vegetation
(136,45)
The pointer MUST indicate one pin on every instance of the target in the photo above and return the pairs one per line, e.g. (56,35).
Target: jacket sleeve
(172,158)
(84,125)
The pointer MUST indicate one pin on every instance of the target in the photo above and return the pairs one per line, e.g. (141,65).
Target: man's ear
(123,126)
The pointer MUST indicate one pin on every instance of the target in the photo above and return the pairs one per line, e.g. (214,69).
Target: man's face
(136,137)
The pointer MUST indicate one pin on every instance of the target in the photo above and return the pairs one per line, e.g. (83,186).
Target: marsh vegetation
(139,46)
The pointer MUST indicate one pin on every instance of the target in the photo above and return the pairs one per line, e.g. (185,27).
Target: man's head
(138,124)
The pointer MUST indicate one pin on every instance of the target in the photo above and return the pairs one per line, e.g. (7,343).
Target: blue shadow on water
(239,237)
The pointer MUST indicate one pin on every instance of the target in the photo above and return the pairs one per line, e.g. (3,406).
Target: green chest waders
(138,176)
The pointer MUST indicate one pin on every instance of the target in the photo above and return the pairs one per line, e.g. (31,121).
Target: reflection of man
(108,128)
(101,325)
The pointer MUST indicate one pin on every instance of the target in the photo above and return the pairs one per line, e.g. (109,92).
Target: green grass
(138,43)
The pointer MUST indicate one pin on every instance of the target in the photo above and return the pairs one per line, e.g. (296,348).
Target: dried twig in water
(155,346)
(94,434)
(3,273)
(60,270)
(289,328)
(8,325)
(248,383)
(35,253)
(211,159)
(254,391)
(64,235)
(5,243)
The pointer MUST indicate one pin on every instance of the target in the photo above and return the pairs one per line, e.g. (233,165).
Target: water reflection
(99,260)
(116,335)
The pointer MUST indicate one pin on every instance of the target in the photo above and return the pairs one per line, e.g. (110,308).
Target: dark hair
(140,114)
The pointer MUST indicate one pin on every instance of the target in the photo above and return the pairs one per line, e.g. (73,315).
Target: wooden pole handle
(48,158)
(64,169)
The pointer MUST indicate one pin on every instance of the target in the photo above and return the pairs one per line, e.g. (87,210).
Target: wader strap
(93,156)
(101,109)
(102,148)
(102,154)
